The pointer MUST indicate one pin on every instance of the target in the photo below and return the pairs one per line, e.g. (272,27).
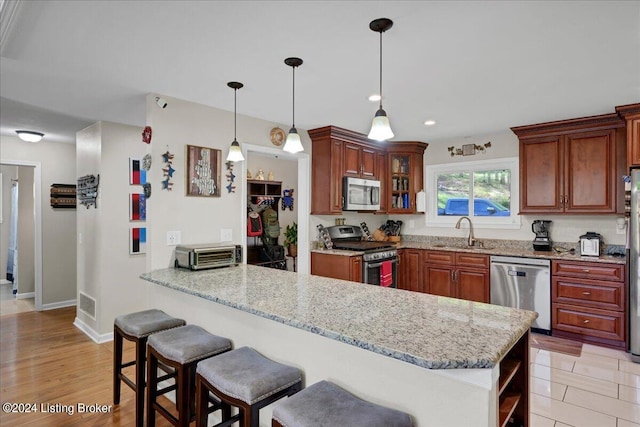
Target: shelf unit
(513,386)
(257,192)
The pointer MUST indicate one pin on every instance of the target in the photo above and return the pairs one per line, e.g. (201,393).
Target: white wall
(8,172)
(58,226)
(106,271)
(199,219)
(565,228)
(26,231)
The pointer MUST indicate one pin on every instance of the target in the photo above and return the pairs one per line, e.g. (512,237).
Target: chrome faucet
(471,241)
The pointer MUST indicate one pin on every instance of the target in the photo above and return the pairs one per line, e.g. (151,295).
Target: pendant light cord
(235,109)
(381,70)
(294,97)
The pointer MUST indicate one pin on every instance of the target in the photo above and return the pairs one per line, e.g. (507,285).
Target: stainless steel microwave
(360,194)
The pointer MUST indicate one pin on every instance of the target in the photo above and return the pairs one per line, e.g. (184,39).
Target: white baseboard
(26,295)
(91,333)
(59,304)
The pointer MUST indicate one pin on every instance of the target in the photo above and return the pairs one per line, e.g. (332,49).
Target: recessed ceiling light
(29,136)
(430,122)
(375,97)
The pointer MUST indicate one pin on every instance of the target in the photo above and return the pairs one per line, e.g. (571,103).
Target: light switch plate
(173,238)
(226,235)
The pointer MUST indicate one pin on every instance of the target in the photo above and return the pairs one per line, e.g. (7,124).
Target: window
(486,191)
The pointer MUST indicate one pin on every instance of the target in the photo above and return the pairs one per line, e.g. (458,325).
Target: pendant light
(380,128)
(292,143)
(235,153)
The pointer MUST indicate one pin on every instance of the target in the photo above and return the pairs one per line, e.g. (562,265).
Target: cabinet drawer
(439,257)
(472,260)
(598,294)
(588,321)
(589,270)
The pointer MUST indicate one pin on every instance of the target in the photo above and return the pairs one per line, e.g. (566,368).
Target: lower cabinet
(337,266)
(409,270)
(588,302)
(456,274)
(513,386)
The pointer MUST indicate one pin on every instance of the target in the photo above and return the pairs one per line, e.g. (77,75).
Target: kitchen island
(436,358)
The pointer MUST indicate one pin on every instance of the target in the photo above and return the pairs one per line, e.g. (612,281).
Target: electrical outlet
(173,238)
(226,235)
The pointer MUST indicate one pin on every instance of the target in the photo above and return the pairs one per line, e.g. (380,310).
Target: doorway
(23,178)
(301,196)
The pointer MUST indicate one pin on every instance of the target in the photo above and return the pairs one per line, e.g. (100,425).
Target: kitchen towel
(386,274)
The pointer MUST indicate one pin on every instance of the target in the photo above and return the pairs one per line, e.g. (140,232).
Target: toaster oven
(200,257)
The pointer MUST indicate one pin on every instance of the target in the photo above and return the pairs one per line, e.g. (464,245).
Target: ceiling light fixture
(375,98)
(292,143)
(430,122)
(235,152)
(380,127)
(29,136)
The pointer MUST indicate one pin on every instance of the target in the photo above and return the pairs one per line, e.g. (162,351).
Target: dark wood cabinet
(572,166)
(337,266)
(336,153)
(409,270)
(588,302)
(513,385)
(631,115)
(456,274)
(406,175)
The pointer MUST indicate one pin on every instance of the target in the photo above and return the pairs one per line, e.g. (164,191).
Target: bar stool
(245,379)
(136,327)
(326,404)
(181,349)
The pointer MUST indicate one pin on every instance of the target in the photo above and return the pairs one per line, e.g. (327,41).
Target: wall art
(167,170)
(231,188)
(137,240)
(87,190)
(137,175)
(203,171)
(137,207)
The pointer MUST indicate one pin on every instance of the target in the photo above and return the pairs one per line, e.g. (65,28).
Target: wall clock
(277,136)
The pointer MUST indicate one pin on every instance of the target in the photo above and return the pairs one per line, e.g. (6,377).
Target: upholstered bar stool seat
(326,404)
(245,379)
(136,327)
(181,349)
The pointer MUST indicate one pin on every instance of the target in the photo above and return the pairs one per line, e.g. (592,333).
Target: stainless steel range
(379,261)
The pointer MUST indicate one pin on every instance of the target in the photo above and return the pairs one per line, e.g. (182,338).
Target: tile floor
(10,305)
(600,388)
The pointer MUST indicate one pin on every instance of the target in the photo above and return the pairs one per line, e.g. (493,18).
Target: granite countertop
(425,330)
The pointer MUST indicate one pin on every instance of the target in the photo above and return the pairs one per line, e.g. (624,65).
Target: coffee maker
(542,241)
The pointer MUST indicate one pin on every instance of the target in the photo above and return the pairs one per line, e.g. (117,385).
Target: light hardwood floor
(44,359)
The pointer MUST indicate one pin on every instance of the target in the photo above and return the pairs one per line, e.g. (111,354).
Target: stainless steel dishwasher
(523,283)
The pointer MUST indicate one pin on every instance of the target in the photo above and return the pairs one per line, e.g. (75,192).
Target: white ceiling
(476,67)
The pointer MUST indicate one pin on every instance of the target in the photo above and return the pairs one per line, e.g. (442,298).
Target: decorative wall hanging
(469,149)
(137,175)
(287,199)
(203,171)
(137,240)
(63,196)
(167,170)
(277,136)
(147,190)
(87,190)
(146,135)
(146,162)
(230,178)
(137,207)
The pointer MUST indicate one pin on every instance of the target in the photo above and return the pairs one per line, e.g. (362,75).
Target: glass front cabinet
(405,166)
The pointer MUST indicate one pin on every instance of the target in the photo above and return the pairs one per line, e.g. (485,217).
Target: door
(473,285)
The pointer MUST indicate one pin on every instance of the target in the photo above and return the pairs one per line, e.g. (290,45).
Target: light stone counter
(425,330)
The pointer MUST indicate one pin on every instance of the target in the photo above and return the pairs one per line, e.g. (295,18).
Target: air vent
(88,305)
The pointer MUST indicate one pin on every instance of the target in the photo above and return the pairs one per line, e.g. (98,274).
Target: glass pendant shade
(235,152)
(293,144)
(29,136)
(380,127)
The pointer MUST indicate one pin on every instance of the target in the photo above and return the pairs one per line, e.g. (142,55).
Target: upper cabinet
(572,166)
(405,176)
(337,152)
(631,114)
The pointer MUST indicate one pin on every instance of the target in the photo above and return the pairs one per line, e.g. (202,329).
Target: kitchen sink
(481,247)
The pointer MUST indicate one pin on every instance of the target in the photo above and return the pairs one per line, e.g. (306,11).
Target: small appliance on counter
(591,244)
(200,257)
(542,241)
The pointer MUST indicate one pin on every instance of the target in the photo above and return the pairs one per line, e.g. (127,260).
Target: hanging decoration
(469,149)
(287,199)
(146,135)
(167,170)
(146,187)
(87,190)
(230,178)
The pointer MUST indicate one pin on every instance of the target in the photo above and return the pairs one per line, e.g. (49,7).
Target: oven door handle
(379,264)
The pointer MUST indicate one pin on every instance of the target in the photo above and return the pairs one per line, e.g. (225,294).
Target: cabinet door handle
(586,270)
(585,321)
(586,293)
